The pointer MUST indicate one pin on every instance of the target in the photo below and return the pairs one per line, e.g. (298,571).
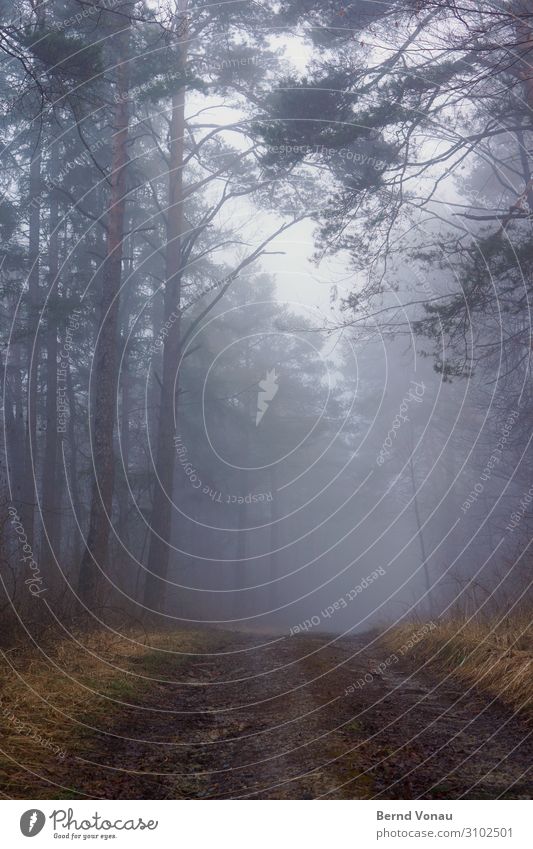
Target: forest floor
(259,716)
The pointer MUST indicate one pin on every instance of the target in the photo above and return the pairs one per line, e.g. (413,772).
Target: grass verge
(494,656)
(51,697)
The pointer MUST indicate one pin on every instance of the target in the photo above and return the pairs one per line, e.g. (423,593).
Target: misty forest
(265,484)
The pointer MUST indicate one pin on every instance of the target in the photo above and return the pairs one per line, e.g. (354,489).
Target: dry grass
(494,656)
(49,699)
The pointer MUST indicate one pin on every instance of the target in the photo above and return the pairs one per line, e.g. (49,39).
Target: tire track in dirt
(281,721)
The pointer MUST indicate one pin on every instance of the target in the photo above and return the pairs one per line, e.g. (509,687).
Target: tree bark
(28,506)
(34,242)
(123,495)
(50,501)
(275,555)
(419,530)
(161,519)
(14,412)
(93,564)
(73,455)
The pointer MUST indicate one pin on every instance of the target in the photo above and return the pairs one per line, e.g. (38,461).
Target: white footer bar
(269,824)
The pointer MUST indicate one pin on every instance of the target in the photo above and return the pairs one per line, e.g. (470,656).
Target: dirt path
(268,718)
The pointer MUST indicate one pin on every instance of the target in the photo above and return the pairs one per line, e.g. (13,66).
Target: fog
(266,272)
(249,379)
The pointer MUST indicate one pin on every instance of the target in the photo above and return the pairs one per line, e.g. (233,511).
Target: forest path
(266,717)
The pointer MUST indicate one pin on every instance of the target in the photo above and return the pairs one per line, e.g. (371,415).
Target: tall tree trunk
(241,598)
(419,529)
(123,494)
(50,501)
(161,519)
(15,428)
(275,555)
(73,457)
(157,317)
(123,498)
(34,239)
(94,557)
(28,506)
